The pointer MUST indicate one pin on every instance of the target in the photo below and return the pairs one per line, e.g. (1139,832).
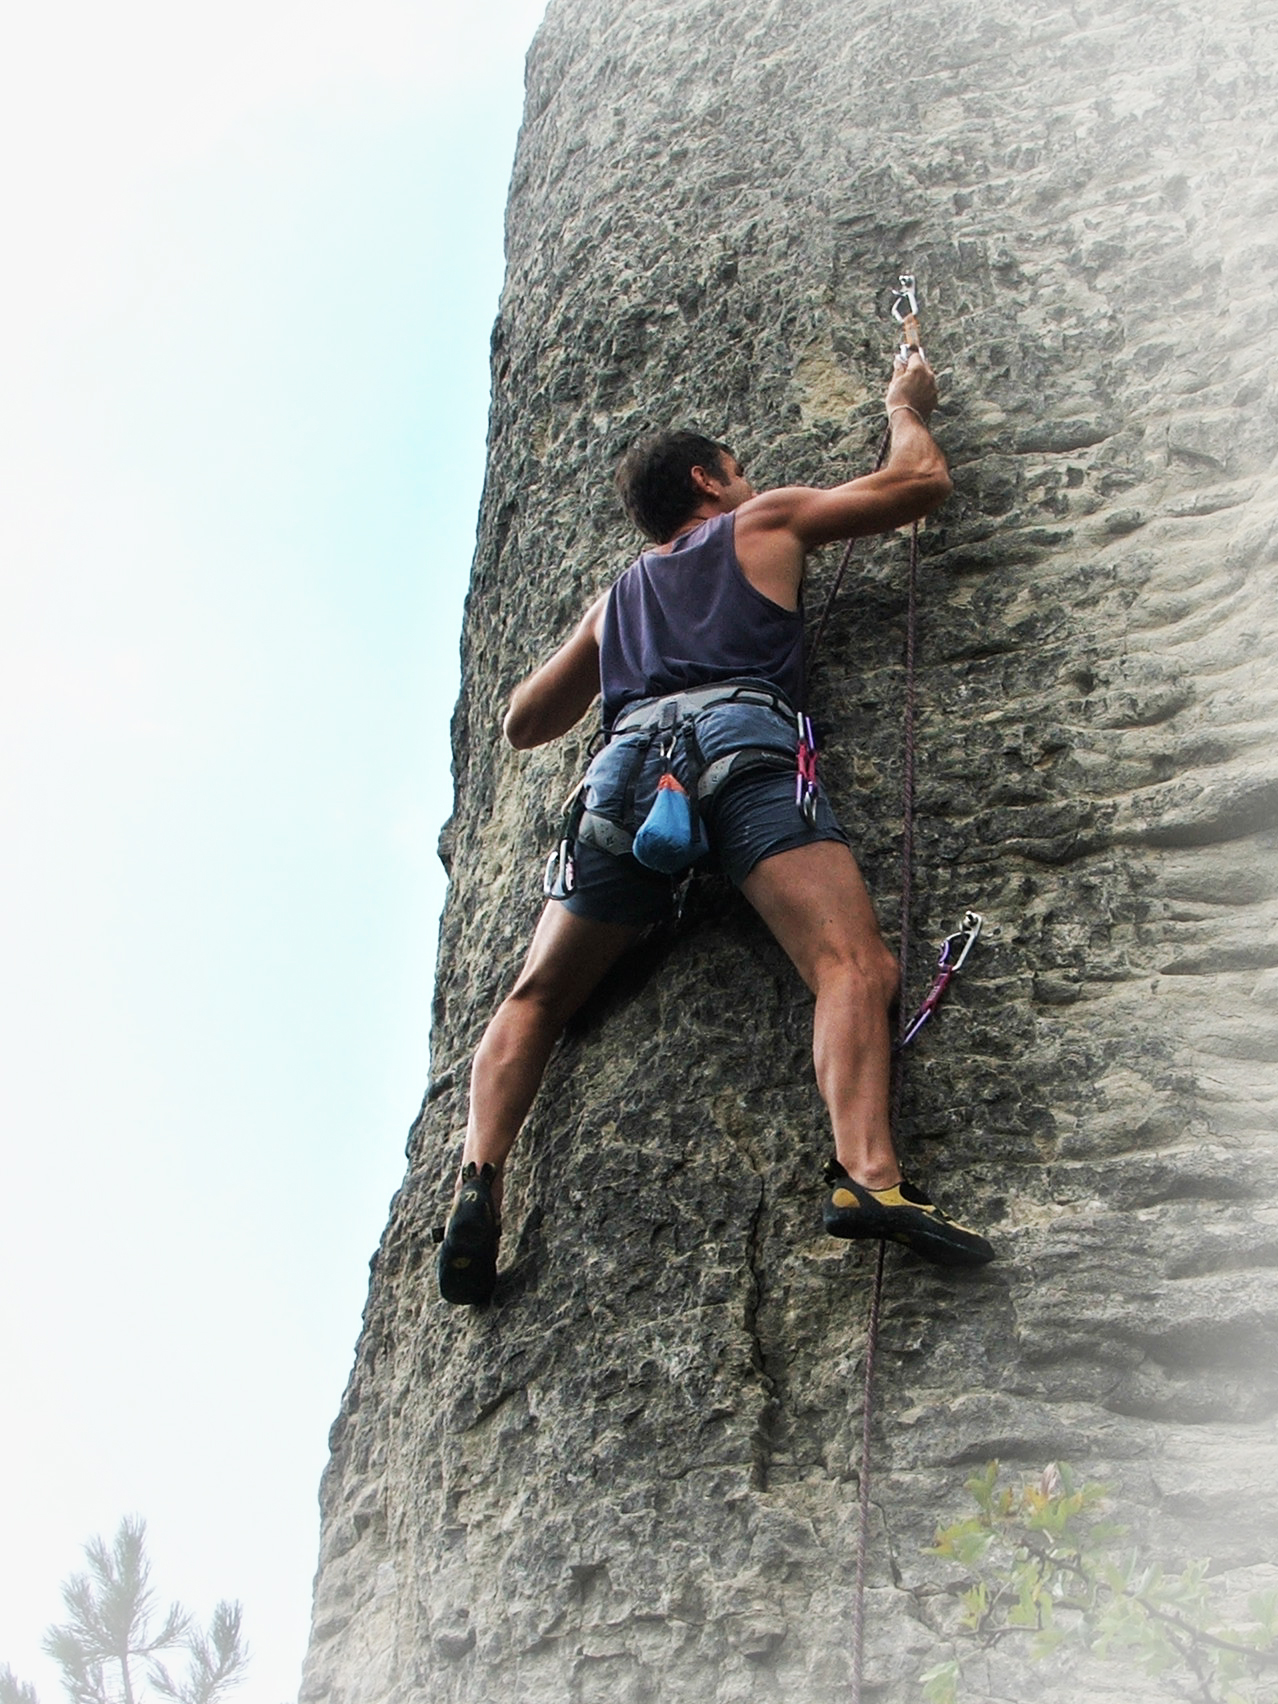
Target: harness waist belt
(600,831)
(650,710)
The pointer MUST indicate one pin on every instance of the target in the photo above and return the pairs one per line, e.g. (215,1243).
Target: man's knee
(888,973)
(882,973)
(867,969)
(531,997)
(542,997)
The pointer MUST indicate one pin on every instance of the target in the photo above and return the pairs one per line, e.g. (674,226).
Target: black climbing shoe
(468,1243)
(901,1214)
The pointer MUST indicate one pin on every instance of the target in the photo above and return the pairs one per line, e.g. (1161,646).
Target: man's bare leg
(565,962)
(815,903)
(568,957)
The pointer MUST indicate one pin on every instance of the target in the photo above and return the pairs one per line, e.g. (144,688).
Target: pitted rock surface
(635,1476)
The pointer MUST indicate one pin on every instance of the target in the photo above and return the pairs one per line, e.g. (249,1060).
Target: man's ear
(707,483)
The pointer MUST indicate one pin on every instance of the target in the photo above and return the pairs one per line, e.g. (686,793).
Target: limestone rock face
(635,1476)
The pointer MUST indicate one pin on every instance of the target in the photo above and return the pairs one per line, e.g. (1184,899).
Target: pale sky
(253,258)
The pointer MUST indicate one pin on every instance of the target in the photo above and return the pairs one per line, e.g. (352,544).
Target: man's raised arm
(557,695)
(911,483)
(776,529)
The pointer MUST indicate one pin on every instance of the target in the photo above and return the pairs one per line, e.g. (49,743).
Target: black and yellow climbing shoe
(901,1214)
(468,1243)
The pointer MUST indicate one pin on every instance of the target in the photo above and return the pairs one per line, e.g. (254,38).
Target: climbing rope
(898,1085)
(833,593)
(905,311)
(954,951)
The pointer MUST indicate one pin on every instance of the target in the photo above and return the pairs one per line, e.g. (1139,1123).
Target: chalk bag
(671,836)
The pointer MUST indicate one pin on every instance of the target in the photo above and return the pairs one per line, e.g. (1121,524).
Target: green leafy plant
(1045,1568)
(111,1641)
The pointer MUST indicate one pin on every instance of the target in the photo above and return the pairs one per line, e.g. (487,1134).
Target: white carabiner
(905,311)
(905,293)
(968,932)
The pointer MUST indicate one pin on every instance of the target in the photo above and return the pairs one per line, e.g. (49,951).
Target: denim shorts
(751,817)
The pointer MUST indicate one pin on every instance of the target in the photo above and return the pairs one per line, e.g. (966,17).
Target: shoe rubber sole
(467,1267)
(902,1214)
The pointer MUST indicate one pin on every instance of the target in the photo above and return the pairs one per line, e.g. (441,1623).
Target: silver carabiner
(905,311)
(560,878)
(905,293)
(968,932)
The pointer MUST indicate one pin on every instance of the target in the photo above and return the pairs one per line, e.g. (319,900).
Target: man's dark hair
(654,478)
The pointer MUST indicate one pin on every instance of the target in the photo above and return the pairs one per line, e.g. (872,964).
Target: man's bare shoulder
(770,509)
(767,544)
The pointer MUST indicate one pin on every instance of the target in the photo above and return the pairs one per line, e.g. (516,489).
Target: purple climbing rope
(898,1083)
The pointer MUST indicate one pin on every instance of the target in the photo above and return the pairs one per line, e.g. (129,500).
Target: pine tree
(110,1642)
(15,1691)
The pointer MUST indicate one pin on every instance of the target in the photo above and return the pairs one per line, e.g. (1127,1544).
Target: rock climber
(697,650)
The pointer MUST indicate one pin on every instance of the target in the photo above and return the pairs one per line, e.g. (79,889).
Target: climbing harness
(672,836)
(647,711)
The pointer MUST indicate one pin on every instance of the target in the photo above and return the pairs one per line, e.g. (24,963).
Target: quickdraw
(953,956)
(806,785)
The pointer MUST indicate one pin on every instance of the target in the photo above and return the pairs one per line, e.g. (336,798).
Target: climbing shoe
(901,1214)
(468,1243)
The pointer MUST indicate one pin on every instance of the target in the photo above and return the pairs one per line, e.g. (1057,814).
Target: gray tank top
(690,617)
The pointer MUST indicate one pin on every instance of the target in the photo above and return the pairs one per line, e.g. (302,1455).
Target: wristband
(897,406)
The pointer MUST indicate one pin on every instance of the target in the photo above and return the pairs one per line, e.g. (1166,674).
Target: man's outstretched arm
(775,530)
(556,696)
(911,483)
